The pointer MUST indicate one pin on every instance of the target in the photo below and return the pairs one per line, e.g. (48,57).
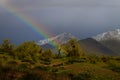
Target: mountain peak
(110,35)
(61,39)
(118,31)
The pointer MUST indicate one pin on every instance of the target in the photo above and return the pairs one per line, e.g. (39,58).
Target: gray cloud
(63,3)
(82,18)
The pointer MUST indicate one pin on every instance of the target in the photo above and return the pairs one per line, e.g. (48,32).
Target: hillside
(110,39)
(92,46)
(114,45)
(29,61)
(58,39)
(89,45)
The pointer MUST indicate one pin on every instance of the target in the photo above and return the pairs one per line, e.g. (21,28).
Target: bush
(29,51)
(23,67)
(6,47)
(114,66)
(32,76)
(47,56)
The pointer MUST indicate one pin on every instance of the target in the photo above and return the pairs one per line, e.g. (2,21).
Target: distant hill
(112,44)
(109,35)
(47,46)
(110,39)
(92,46)
(59,39)
(96,45)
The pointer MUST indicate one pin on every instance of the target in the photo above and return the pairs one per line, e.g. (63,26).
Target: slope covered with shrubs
(29,61)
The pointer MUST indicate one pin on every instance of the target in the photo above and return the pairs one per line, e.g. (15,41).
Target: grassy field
(28,62)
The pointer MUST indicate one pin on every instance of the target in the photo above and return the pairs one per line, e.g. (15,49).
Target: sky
(82,18)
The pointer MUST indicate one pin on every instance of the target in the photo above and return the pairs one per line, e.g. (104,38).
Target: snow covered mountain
(110,35)
(60,39)
(110,39)
(95,45)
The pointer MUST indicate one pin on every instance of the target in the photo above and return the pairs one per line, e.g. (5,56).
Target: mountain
(110,35)
(92,46)
(110,39)
(59,39)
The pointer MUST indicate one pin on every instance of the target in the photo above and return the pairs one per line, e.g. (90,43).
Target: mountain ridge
(110,39)
(59,39)
(107,43)
(109,35)
(92,46)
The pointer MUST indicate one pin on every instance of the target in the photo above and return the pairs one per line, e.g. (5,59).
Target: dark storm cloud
(14,29)
(83,18)
(65,12)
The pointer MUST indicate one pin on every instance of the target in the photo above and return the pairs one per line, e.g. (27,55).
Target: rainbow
(27,20)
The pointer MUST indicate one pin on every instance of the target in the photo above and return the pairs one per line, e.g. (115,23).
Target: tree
(73,49)
(6,47)
(47,55)
(30,49)
(61,52)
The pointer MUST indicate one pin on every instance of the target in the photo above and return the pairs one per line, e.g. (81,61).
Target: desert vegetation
(28,61)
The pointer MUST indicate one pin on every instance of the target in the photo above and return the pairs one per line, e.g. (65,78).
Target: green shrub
(6,47)
(23,67)
(82,76)
(32,76)
(47,56)
(28,50)
(114,66)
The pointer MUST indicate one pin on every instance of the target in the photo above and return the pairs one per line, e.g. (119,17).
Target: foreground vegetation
(29,61)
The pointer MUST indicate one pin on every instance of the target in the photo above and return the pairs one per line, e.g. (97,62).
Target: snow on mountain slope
(61,39)
(110,35)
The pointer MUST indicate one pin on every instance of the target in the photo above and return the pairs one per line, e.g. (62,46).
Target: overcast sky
(82,18)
